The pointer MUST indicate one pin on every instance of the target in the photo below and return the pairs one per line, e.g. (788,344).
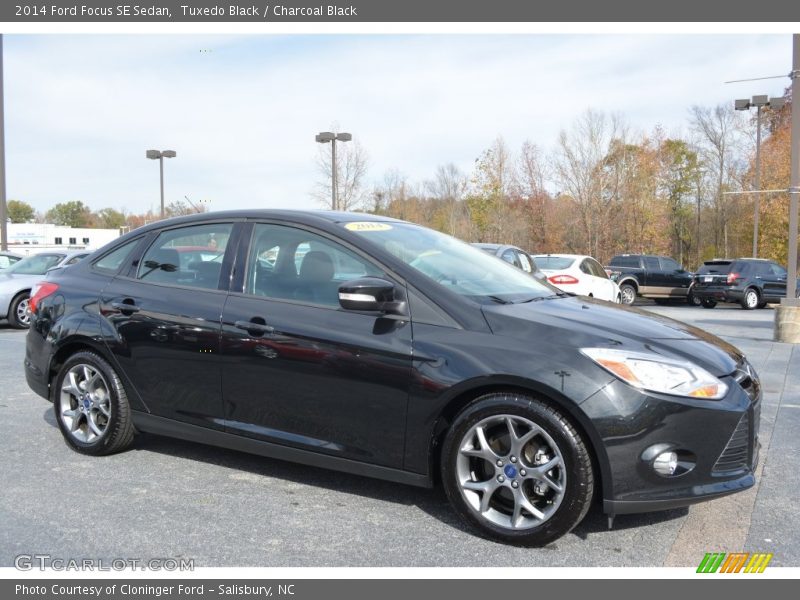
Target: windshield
(553,263)
(35,265)
(454,264)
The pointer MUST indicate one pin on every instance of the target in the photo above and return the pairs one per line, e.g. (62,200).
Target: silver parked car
(8,258)
(17,280)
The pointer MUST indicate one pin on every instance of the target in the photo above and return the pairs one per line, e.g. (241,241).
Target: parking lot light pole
(787,315)
(323,138)
(759,102)
(160,155)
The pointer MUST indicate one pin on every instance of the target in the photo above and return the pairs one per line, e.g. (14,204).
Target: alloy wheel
(628,294)
(23,313)
(511,472)
(85,403)
(751,298)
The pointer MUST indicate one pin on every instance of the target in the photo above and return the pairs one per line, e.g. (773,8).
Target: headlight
(658,374)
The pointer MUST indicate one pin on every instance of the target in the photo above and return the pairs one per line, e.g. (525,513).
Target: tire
(535,511)
(750,299)
(693,300)
(708,303)
(94,419)
(19,316)
(628,293)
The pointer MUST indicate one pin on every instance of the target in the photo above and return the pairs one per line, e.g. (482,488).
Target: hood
(585,322)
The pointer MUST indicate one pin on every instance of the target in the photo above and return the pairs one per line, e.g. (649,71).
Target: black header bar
(357,11)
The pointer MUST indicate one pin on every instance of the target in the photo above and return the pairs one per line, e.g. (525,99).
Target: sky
(242,111)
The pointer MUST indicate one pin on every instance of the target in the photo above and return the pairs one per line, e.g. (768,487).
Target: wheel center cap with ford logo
(510,471)
(86,403)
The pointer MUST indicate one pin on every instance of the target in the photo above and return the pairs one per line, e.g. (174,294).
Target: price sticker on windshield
(367,226)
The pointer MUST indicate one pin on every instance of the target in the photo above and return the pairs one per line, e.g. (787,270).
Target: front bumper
(716,440)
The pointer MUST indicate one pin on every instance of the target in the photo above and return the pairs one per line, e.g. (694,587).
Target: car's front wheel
(91,406)
(19,315)
(517,470)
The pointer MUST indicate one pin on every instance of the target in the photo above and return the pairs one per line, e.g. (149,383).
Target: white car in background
(579,274)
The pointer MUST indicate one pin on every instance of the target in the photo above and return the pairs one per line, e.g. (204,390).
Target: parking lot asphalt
(170,498)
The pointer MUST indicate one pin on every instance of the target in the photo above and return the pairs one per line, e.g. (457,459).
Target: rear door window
(187,256)
(625,261)
(651,263)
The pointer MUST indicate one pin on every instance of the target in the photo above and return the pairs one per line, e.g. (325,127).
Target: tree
(20,212)
(351,168)
(717,130)
(109,218)
(489,190)
(678,174)
(70,214)
(448,187)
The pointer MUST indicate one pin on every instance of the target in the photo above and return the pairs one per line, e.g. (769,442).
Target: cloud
(241,112)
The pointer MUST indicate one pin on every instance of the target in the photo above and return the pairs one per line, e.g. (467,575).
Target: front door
(300,371)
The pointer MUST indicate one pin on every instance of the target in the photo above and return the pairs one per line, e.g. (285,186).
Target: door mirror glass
(371,294)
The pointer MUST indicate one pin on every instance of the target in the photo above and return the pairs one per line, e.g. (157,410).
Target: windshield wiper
(550,297)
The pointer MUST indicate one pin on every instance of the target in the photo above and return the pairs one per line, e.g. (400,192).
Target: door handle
(254,326)
(125,307)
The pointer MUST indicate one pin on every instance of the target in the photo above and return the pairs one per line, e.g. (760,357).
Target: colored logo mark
(735,562)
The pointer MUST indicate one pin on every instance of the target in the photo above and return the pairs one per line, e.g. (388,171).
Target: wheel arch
(632,281)
(465,396)
(67,348)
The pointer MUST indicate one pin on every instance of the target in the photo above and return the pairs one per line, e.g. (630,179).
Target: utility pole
(3,207)
(787,315)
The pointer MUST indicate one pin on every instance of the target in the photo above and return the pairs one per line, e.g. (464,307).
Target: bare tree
(351,168)
(717,130)
(449,186)
(580,172)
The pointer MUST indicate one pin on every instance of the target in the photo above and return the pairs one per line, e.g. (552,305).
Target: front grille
(735,455)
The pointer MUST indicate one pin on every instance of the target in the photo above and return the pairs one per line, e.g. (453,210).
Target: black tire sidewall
(12,311)
(579,489)
(105,444)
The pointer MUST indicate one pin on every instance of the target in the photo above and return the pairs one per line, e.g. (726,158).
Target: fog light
(666,463)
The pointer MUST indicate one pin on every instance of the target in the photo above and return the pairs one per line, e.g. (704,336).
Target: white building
(32,238)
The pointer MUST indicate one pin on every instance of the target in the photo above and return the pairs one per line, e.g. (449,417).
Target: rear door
(167,323)
(774,282)
(300,371)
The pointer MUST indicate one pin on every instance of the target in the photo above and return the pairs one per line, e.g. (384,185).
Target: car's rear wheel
(693,300)
(91,406)
(708,303)
(627,293)
(750,299)
(19,316)
(516,469)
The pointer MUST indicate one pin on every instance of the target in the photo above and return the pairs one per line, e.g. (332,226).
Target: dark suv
(752,282)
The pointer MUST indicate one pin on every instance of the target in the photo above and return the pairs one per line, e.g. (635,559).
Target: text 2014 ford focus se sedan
(382,348)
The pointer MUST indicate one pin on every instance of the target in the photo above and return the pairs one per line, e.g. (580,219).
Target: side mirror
(371,294)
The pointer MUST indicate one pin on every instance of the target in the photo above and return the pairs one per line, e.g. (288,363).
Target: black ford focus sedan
(382,348)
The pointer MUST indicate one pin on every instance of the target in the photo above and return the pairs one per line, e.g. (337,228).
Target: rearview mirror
(371,294)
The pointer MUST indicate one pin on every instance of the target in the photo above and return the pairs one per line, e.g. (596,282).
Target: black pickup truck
(657,277)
